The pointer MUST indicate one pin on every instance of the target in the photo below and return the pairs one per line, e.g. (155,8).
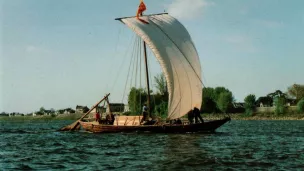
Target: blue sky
(58,54)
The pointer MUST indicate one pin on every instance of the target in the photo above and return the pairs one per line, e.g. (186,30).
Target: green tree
(161,109)
(224,101)
(42,110)
(279,105)
(209,92)
(277,93)
(211,97)
(218,91)
(157,104)
(161,84)
(4,114)
(208,101)
(160,100)
(300,106)
(296,91)
(136,99)
(52,111)
(249,104)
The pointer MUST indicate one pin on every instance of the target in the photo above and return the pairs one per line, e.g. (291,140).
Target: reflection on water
(237,145)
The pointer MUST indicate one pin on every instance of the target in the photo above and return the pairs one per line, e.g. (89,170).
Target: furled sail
(173,47)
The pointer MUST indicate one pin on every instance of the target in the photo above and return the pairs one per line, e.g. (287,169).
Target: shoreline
(254,117)
(66,117)
(238,116)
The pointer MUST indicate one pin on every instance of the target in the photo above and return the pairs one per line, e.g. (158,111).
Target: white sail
(172,46)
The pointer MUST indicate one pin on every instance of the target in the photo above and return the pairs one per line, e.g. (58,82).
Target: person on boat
(178,121)
(97,116)
(190,116)
(145,113)
(110,118)
(197,114)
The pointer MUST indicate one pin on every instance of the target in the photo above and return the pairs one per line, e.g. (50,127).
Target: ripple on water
(238,145)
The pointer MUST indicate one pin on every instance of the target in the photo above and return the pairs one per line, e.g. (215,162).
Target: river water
(238,145)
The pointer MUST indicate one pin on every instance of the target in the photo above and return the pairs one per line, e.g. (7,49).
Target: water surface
(237,145)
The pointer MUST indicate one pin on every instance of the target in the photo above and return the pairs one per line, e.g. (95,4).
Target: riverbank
(238,116)
(260,116)
(73,116)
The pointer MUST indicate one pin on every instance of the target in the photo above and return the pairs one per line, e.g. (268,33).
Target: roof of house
(239,104)
(117,104)
(78,106)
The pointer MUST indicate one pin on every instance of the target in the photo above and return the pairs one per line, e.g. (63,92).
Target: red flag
(141,9)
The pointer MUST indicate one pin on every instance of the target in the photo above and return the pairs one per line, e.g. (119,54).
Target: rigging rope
(136,63)
(133,56)
(150,77)
(140,86)
(115,53)
(135,68)
(135,74)
(120,70)
(127,79)
(204,78)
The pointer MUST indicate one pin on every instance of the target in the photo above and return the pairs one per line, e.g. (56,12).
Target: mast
(140,10)
(147,77)
(183,52)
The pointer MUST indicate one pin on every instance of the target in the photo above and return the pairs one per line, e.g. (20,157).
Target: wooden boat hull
(208,126)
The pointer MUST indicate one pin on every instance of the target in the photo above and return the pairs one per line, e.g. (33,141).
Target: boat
(175,51)
(206,127)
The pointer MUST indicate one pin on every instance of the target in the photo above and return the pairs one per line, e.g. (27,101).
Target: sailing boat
(174,49)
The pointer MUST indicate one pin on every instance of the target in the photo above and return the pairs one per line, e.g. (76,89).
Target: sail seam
(180,99)
(153,48)
(178,49)
(179,85)
(164,20)
(180,60)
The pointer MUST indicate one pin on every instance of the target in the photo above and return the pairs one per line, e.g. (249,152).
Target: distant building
(16,114)
(238,105)
(4,114)
(69,111)
(127,109)
(65,111)
(82,109)
(19,114)
(60,111)
(116,107)
(47,112)
(101,109)
(39,113)
(291,102)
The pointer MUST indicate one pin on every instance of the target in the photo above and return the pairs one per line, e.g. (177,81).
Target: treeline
(41,111)
(138,97)
(159,100)
(221,100)
(217,100)
(293,97)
